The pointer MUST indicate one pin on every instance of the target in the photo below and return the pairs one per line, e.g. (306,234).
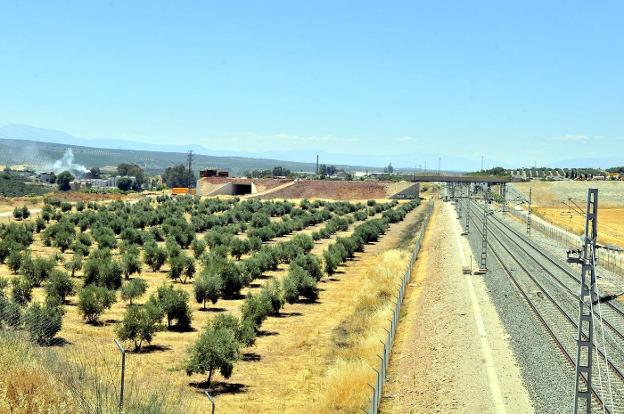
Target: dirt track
(451,353)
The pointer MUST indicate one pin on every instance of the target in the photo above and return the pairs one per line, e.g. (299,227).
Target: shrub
(21,290)
(174,303)
(93,301)
(133,289)
(40,224)
(14,260)
(272,293)
(255,309)
(20,213)
(216,349)
(139,324)
(130,261)
(311,264)
(74,264)
(299,283)
(59,285)
(42,323)
(102,270)
(10,313)
(154,256)
(198,247)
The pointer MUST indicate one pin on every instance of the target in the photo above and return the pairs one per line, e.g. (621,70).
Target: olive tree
(133,289)
(174,303)
(59,285)
(207,287)
(140,323)
(93,301)
(216,349)
(42,322)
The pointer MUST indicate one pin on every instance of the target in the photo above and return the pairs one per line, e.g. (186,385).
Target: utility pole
(587,295)
(467,225)
(459,202)
(317,164)
(529,215)
(439,165)
(484,242)
(190,171)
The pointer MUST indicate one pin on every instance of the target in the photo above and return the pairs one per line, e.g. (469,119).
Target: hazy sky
(521,82)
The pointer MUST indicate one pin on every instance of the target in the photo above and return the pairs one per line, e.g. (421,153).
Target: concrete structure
(410,193)
(211,172)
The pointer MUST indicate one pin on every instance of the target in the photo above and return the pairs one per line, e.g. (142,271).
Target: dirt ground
(451,353)
(283,372)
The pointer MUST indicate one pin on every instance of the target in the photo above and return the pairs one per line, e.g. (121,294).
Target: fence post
(211,401)
(123,373)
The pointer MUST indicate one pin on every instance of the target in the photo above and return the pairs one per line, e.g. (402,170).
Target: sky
(521,83)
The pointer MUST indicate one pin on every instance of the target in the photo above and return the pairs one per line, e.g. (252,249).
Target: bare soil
(451,353)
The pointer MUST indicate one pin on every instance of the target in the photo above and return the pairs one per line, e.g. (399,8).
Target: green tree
(74,265)
(174,303)
(139,324)
(216,349)
(133,289)
(178,176)
(21,290)
(124,184)
(14,261)
(132,170)
(63,180)
(130,261)
(255,309)
(43,322)
(207,287)
(154,256)
(93,301)
(59,285)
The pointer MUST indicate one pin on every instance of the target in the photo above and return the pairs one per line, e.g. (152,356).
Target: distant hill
(41,155)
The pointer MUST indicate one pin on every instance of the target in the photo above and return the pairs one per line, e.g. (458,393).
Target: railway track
(549,289)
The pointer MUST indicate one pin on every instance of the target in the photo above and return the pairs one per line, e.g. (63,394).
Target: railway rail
(548,288)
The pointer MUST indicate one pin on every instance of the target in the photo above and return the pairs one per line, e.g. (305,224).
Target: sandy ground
(451,353)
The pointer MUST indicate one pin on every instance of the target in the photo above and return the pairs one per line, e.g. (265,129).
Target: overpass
(489,179)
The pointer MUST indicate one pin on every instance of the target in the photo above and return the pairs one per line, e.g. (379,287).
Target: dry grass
(610,229)
(287,369)
(357,338)
(25,386)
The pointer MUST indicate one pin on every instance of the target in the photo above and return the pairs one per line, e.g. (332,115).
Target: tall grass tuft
(357,339)
(55,380)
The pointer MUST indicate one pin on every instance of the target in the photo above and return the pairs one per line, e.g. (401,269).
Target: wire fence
(384,359)
(609,259)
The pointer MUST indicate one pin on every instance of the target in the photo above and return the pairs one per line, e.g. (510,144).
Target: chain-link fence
(609,259)
(384,359)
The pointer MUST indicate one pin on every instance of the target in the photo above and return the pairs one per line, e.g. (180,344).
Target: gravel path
(451,352)
(547,376)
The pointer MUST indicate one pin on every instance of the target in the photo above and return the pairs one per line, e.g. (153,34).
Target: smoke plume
(66,163)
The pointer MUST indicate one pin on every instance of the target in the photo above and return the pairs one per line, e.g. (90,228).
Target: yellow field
(295,364)
(610,222)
